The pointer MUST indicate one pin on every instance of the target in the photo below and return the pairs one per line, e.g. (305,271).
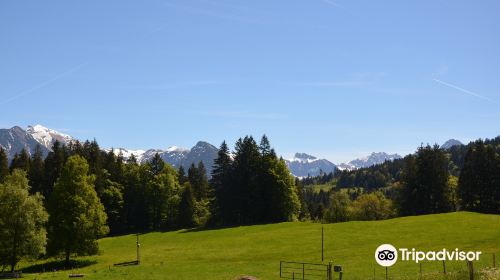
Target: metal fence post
(444,267)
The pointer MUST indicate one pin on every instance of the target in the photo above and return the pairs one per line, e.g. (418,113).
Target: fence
(305,271)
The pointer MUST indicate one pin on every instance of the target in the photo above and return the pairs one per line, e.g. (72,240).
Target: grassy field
(257,250)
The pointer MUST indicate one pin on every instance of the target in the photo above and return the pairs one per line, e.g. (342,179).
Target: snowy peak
(303,157)
(303,165)
(46,136)
(450,143)
(372,159)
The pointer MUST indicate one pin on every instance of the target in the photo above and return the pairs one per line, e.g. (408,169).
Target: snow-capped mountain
(303,165)
(46,136)
(176,156)
(372,159)
(15,139)
(450,143)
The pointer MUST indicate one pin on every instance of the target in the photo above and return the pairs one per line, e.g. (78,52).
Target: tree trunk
(14,253)
(68,252)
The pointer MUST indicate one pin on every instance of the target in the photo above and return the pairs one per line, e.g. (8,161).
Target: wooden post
(281,264)
(322,244)
(293,275)
(470,266)
(138,254)
(329,271)
(444,267)
(303,270)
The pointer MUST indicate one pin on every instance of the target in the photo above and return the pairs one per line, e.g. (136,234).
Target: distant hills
(15,139)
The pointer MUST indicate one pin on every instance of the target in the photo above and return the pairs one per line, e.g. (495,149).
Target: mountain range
(15,139)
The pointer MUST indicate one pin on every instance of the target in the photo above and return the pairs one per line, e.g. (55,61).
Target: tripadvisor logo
(387,255)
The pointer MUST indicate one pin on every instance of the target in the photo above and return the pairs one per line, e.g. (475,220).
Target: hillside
(257,250)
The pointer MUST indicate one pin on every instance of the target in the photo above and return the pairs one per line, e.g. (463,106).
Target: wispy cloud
(179,84)
(355,80)
(332,84)
(244,115)
(471,93)
(215,14)
(43,84)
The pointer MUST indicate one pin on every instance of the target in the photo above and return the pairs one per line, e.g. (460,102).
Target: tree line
(79,193)
(433,180)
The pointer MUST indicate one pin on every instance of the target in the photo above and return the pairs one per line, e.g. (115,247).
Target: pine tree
(220,182)
(157,164)
(77,217)
(21,161)
(181,175)
(479,182)
(4,165)
(54,163)
(36,171)
(187,207)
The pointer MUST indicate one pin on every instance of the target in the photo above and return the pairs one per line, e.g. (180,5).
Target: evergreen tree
(4,165)
(187,217)
(21,161)
(425,184)
(181,175)
(220,182)
(157,164)
(54,163)
(479,182)
(36,172)
(77,217)
(22,220)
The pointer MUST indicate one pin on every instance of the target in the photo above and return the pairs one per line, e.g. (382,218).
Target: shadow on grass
(57,265)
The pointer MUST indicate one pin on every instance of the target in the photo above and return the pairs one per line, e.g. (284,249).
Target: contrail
(43,84)
(331,2)
(464,90)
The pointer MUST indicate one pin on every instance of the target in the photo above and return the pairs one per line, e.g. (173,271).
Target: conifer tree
(4,165)
(181,175)
(36,171)
(54,163)
(187,207)
(21,161)
(220,182)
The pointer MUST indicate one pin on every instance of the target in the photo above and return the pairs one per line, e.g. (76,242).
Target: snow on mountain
(450,143)
(370,160)
(303,165)
(176,156)
(46,136)
(126,154)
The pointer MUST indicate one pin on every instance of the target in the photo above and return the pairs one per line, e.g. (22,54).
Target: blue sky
(334,78)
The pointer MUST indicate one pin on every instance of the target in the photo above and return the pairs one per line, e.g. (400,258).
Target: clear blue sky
(333,78)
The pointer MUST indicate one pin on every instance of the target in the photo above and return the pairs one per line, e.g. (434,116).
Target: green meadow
(257,250)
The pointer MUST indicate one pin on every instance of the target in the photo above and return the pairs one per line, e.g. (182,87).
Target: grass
(257,250)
